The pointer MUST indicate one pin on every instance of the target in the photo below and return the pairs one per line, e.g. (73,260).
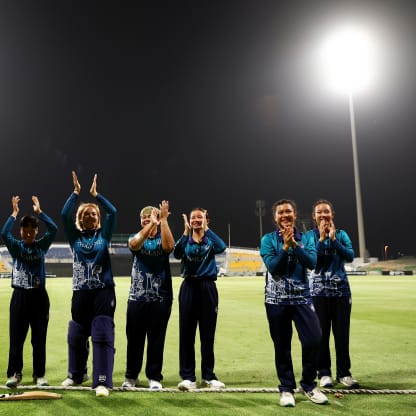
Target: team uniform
(148,309)
(287,299)
(198,302)
(331,296)
(29,305)
(93,296)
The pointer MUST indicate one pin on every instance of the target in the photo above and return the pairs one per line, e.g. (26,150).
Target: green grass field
(383,344)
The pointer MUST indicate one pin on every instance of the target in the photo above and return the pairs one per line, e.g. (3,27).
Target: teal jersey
(151,279)
(329,278)
(198,259)
(287,271)
(91,256)
(29,260)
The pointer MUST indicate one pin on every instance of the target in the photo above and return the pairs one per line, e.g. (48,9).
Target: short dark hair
(281,202)
(29,221)
(322,201)
(202,210)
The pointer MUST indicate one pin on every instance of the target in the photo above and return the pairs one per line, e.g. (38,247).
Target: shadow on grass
(389,380)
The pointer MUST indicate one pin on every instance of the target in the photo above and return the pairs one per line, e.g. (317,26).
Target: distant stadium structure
(237,261)
(58,261)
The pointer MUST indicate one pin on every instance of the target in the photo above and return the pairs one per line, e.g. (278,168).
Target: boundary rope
(208,390)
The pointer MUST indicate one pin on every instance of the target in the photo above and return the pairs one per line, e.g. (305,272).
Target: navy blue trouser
(89,310)
(198,305)
(28,308)
(306,321)
(335,313)
(146,319)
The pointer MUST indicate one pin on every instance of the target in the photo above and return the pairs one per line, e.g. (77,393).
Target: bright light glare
(349,59)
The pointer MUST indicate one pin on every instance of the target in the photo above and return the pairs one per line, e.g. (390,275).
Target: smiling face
(197,219)
(285,215)
(146,215)
(322,213)
(88,217)
(144,220)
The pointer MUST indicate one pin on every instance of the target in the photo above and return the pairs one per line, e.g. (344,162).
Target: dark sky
(206,103)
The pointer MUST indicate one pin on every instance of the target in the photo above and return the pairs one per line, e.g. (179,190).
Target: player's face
(197,219)
(145,219)
(323,213)
(285,216)
(90,219)
(28,234)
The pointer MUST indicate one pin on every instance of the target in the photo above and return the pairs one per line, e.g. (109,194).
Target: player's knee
(102,329)
(77,334)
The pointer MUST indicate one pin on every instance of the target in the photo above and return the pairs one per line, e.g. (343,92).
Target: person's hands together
(15,205)
(77,186)
(93,189)
(187,227)
(36,205)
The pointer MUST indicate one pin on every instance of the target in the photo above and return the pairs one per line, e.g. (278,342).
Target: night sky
(206,103)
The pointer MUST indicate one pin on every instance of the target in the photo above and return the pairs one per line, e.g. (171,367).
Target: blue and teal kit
(331,295)
(198,302)
(29,261)
(151,279)
(93,295)
(199,258)
(149,308)
(329,277)
(288,302)
(287,279)
(92,265)
(29,303)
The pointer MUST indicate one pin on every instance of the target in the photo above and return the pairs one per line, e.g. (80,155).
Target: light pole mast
(260,204)
(360,217)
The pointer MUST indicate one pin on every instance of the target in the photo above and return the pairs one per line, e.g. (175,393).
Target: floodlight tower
(358,201)
(348,61)
(260,211)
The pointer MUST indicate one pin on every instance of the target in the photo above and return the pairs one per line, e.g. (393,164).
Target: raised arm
(46,240)
(136,242)
(6,232)
(168,243)
(306,254)
(109,223)
(67,212)
(180,245)
(343,246)
(217,242)
(274,259)
(15,206)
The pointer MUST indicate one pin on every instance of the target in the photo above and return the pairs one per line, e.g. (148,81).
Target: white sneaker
(186,385)
(68,382)
(102,391)
(41,381)
(287,399)
(349,381)
(326,381)
(213,384)
(14,381)
(316,396)
(129,383)
(155,385)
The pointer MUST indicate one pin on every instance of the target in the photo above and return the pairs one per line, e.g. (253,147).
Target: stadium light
(349,59)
